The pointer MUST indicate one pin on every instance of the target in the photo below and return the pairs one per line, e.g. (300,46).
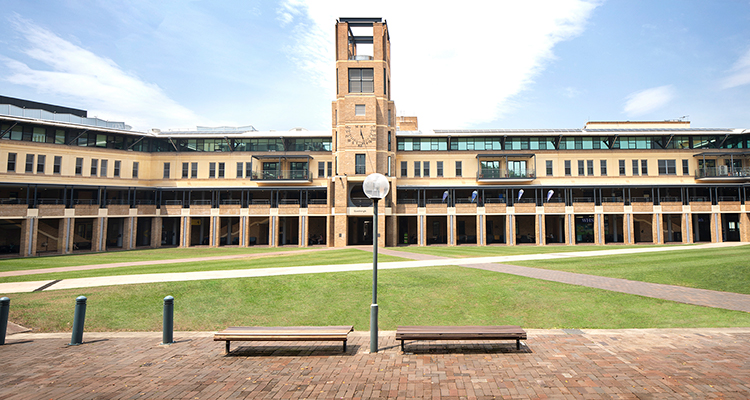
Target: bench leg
(344,346)
(518,344)
(226,348)
(402,346)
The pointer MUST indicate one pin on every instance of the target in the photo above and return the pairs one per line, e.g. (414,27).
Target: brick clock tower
(364,128)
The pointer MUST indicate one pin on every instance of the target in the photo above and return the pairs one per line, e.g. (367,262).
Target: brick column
(156,232)
(745,227)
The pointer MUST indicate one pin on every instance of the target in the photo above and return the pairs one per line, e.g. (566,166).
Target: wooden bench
(508,332)
(283,333)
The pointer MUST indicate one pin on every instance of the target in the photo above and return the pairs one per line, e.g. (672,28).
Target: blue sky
(497,64)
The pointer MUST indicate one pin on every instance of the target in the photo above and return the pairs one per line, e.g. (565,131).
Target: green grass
(725,269)
(422,296)
(16,264)
(328,257)
(490,251)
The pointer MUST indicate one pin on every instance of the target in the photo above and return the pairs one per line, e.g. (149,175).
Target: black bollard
(4,310)
(78,319)
(168,321)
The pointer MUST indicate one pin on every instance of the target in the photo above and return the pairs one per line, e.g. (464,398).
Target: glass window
(39,135)
(426,169)
(79,166)
(459,169)
(361,80)
(589,167)
(581,169)
(194,170)
(359,110)
(57,165)
(567,168)
(439,168)
(212,170)
(165,175)
(329,168)
(103,170)
(321,169)
(548,165)
(603,167)
(635,167)
(644,167)
(359,164)
(135,169)
(94,167)
(117,169)
(248,170)
(40,160)
(11,162)
(621,166)
(59,136)
(29,163)
(185,170)
(685,167)
(221,170)
(417,169)
(403,169)
(667,167)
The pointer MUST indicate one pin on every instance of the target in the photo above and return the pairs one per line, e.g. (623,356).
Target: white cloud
(740,73)
(97,82)
(452,66)
(646,101)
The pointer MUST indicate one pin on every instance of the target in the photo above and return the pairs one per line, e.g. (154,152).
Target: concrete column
(510,233)
(67,235)
(598,229)
(98,234)
(481,230)
(627,229)
(273,231)
(133,233)
(716,236)
(304,230)
(656,228)
(421,230)
(243,231)
(61,238)
(570,229)
(28,237)
(452,230)
(687,224)
(540,230)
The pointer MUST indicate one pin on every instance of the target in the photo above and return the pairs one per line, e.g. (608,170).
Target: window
(59,136)
(361,80)
(668,167)
(248,170)
(29,163)
(581,169)
(212,170)
(403,169)
(135,169)
(165,175)
(635,167)
(185,170)
(548,166)
(439,168)
(426,169)
(329,168)
(79,166)
(603,167)
(685,167)
(57,165)
(221,170)
(94,167)
(644,167)
(589,167)
(117,169)
(194,170)
(103,170)
(11,162)
(39,135)
(359,110)
(40,160)
(321,169)
(567,168)
(359,164)
(417,169)
(459,169)
(621,166)
(389,135)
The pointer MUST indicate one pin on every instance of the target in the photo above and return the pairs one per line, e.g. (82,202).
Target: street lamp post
(376,187)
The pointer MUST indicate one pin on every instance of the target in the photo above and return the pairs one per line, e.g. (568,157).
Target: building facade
(70,183)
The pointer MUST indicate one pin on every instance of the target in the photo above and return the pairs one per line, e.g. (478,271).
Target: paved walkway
(588,364)
(709,298)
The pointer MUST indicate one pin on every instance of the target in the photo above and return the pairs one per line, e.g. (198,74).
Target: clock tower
(363,122)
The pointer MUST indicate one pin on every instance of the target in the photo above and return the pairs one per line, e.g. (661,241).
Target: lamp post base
(373,328)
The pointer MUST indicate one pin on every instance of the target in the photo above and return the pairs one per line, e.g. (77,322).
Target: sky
(178,64)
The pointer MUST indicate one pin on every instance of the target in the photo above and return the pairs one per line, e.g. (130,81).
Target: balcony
(505,175)
(723,173)
(289,176)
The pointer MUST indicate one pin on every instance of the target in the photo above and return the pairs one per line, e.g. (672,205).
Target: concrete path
(555,364)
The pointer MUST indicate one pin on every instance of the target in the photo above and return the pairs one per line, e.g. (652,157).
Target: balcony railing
(281,175)
(500,173)
(722,172)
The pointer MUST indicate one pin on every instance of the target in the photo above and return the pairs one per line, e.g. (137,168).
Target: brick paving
(555,364)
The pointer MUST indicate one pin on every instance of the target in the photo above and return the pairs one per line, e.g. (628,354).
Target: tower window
(361,80)
(359,109)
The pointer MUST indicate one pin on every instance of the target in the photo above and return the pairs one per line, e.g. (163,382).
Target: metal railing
(722,171)
(615,199)
(583,199)
(500,173)
(641,200)
(280,175)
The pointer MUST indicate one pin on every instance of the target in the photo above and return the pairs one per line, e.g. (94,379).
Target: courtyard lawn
(294,259)
(465,251)
(421,296)
(725,269)
(70,260)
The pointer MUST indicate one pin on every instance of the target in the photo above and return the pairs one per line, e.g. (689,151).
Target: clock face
(360,135)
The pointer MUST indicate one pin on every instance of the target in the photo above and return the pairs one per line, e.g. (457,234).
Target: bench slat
(505,332)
